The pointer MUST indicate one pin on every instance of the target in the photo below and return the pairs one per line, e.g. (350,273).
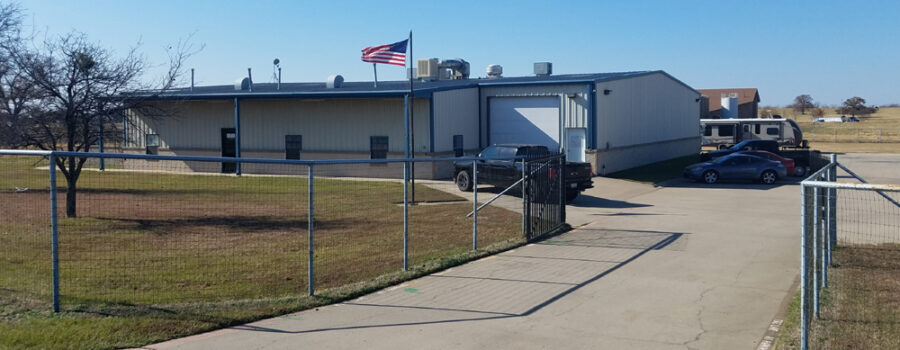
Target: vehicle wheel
(768,177)
(464,181)
(710,176)
(571,195)
(800,171)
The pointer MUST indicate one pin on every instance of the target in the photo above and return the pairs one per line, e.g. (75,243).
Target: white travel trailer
(724,133)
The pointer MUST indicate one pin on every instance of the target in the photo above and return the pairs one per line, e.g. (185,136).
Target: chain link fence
(849,132)
(850,270)
(159,231)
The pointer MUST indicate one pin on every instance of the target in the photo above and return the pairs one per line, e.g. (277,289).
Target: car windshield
(740,145)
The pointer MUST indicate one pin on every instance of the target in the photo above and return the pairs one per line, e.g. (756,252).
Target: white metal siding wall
(192,125)
(343,125)
(645,109)
(573,109)
(455,113)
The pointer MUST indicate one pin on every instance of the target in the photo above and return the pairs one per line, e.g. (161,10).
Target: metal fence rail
(160,230)
(850,232)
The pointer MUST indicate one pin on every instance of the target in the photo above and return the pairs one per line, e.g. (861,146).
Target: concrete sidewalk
(688,266)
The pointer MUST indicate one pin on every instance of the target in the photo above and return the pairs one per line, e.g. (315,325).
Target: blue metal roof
(384,89)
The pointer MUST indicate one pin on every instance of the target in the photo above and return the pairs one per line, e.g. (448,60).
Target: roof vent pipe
(250,78)
(334,81)
(494,71)
(242,84)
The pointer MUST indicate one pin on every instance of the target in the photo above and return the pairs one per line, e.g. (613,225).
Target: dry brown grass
(861,307)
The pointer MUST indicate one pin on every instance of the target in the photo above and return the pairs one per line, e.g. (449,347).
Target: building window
(726,130)
(458,145)
(378,147)
(772,131)
(293,144)
(758,129)
(708,130)
(151,141)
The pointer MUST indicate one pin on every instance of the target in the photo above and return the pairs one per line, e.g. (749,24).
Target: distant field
(877,133)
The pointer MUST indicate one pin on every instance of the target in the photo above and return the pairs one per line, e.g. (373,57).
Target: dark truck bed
(504,173)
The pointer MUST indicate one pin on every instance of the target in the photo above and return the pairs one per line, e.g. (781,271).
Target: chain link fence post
(475,205)
(310,228)
(54,233)
(804,283)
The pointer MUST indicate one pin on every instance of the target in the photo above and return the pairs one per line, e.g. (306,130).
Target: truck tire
(464,181)
(571,195)
(801,171)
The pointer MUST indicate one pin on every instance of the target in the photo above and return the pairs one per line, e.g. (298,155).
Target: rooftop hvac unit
(494,71)
(427,69)
(543,69)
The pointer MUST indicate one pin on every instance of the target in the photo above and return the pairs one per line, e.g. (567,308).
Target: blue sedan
(736,167)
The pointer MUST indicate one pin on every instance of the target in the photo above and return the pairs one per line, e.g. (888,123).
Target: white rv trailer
(724,133)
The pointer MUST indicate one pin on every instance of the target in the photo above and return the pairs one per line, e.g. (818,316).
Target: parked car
(747,145)
(736,167)
(801,156)
(787,162)
(505,172)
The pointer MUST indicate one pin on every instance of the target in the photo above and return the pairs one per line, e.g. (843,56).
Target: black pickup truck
(504,173)
(801,156)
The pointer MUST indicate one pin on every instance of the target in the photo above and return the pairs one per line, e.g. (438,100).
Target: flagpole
(412,136)
(374,69)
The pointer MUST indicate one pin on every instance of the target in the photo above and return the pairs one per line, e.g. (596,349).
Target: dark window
(458,145)
(771,131)
(726,130)
(151,141)
(293,144)
(707,131)
(746,128)
(506,152)
(758,129)
(378,147)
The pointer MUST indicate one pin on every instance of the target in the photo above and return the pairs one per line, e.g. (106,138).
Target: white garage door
(530,120)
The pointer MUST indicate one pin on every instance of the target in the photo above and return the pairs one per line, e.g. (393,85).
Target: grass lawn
(657,172)
(156,256)
(861,307)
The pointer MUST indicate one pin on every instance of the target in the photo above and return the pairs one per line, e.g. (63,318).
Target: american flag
(390,54)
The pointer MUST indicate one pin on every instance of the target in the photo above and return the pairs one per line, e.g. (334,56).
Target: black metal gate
(545,196)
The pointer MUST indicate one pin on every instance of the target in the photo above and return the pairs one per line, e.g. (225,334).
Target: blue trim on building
(431,122)
(479,119)
(487,120)
(592,120)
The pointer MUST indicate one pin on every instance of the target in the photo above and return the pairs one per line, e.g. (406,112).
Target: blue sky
(831,50)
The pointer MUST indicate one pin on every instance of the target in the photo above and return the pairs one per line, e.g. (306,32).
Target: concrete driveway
(682,266)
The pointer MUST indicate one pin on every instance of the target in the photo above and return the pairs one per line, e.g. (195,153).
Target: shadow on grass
(244,224)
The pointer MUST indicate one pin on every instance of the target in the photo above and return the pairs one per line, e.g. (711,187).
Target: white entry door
(525,120)
(576,144)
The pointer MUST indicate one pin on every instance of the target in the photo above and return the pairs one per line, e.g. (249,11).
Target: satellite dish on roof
(276,61)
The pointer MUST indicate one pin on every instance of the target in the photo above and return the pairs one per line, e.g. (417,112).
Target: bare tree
(855,106)
(75,87)
(802,103)
(14,90)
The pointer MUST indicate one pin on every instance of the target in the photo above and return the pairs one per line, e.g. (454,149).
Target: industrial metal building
(613,120)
